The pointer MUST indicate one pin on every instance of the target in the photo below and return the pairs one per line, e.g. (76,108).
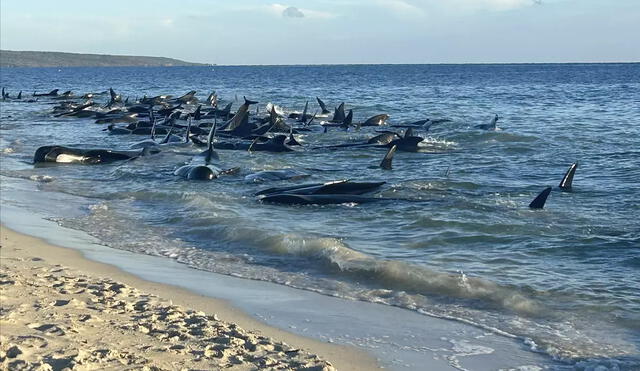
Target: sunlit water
(565,280)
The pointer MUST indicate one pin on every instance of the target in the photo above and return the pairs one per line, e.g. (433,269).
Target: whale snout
(201,173)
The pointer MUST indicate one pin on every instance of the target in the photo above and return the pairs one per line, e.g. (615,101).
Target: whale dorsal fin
(348,120)
(388,158)
(323,107)
(188,133)
(338,115)
(273,115)
(408,133)
(304,112)
(494,121)
(211,153)
(539,201)
(567,180)
(248,102)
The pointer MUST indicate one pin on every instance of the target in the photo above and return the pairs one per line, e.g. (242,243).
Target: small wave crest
(398,275)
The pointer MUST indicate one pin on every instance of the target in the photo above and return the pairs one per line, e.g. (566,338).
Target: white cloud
(280,10)
(292,12)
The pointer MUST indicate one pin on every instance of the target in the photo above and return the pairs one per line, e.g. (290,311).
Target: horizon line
(208,64)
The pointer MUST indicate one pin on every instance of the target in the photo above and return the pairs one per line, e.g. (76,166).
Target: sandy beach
(60,310)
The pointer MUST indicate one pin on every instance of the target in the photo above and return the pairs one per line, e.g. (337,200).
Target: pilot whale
(62,154)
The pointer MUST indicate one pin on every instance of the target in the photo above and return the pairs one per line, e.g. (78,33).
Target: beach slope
(60,310)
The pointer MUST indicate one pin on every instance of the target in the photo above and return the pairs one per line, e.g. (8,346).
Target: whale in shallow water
(492,125)
(52,93)
(541,199)
(275,175)
(198,172)
(62,154)
(293,199)
(345,187)
(376,120)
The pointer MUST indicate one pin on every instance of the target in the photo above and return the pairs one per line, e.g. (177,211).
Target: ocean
(456,239)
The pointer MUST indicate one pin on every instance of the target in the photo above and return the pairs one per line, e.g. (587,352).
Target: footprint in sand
(31,341)
(60,303)
(49,328)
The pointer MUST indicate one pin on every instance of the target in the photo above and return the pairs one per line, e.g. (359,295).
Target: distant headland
(11,58)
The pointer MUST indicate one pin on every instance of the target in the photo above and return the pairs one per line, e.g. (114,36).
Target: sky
(330,31)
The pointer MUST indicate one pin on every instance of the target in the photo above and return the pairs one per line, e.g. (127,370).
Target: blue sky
(331,31)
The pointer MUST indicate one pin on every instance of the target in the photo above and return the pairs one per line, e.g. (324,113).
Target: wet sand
(61,310)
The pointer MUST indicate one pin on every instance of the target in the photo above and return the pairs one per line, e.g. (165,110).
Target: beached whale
(323,199)
(275,175)
(376,120)
(62,154)
(345,187)
(52,93)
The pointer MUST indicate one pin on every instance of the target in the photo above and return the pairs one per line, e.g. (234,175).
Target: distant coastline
(11,58)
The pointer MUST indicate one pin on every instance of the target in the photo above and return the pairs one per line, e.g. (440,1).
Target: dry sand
(59,310)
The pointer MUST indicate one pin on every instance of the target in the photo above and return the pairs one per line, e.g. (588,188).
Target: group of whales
(182,120)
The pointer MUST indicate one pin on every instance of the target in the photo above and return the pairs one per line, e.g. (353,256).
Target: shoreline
(373,334)
(29,253)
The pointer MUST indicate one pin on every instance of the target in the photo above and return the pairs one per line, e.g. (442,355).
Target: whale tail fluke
(388,158)
(539,201)
(567,180)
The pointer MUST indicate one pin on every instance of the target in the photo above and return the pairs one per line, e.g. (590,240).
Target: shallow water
(564,279)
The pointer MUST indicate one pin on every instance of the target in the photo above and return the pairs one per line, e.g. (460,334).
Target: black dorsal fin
(338,115)
(539,201)
(388,158)
(188,133)
(197,115)
(348,120)
(303,117)
(323,107)
(210,153)
(567,180)
(408,133)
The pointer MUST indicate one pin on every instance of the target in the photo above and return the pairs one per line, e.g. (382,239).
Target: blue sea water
(565,280)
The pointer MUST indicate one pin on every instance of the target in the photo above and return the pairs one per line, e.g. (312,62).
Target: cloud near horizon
(289,11)
(292,12)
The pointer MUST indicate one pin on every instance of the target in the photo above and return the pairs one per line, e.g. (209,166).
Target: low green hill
(10,58)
